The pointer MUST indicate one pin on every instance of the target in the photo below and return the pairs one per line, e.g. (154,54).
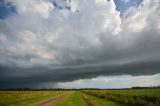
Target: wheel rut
(51,102)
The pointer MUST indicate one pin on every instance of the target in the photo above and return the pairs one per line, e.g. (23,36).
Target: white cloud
(41,28)
(125,1)
(69,33)
(41,8)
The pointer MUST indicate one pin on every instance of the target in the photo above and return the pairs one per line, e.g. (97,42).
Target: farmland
(138,97)
(129,97)
(24,98)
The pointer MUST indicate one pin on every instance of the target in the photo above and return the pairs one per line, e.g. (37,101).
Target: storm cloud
(52,41)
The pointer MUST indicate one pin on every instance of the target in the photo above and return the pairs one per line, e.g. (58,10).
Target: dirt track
(87,101)
(52,101)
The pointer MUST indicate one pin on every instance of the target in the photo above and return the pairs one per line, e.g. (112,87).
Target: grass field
(132,97)
(136,97)
(24,98)
(95,101)
(139,92)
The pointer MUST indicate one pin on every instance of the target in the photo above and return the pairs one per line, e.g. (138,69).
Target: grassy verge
(74,99)
(95,101)
(24,98)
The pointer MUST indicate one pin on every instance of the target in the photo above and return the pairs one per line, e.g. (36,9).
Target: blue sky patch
(124,5)
(6,8)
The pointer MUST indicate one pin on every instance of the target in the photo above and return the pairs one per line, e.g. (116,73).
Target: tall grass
(129,99)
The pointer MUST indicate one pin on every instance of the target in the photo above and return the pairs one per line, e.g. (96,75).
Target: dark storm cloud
(60,45)
(17,77)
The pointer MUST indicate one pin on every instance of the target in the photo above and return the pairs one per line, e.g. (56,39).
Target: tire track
(87,101)
(52,101)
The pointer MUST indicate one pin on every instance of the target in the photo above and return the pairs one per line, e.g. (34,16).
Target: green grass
(137,92)
(134,97)
(74,99)
(99,102)
(24,98)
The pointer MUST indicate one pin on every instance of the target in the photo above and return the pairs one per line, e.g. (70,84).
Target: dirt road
(52,101)
(87,101)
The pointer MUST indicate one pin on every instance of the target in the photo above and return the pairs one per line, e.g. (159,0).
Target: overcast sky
(79,43)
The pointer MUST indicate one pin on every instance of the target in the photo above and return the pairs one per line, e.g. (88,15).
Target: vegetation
(74,99)
(95,101)
(141,97)
(89,97)
(24,98)
(137,92)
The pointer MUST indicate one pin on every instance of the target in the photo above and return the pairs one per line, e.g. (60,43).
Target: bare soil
(87,101)
(51,102)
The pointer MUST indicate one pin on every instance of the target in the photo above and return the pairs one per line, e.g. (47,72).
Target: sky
(79,43)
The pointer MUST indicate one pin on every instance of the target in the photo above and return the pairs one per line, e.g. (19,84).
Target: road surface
(51,102)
